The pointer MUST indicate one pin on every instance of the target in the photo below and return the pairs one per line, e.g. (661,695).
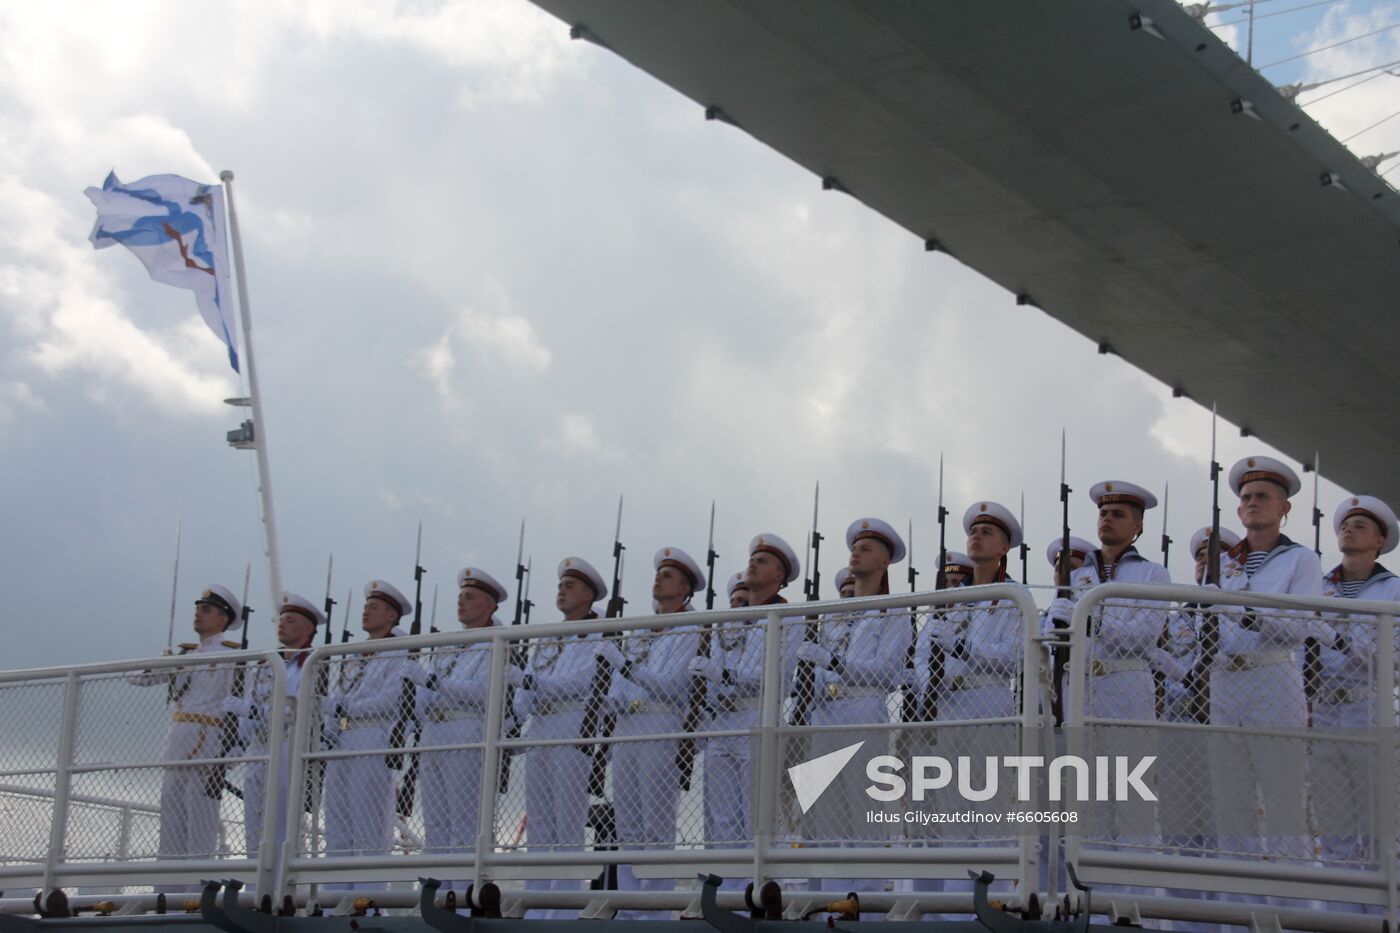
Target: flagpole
(259,424)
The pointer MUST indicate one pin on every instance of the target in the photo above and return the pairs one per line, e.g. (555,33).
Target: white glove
(610,652)
(514,675)
(815,653)
(238,706)
(416,673)
(1062,608)
(707,668)
(911,679)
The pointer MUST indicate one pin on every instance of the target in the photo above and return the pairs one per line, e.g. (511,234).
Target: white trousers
(359,798)
(556,798)
(645,790)
(451,788)
(189,801)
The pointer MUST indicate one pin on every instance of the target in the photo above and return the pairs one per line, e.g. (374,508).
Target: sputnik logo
(811,778)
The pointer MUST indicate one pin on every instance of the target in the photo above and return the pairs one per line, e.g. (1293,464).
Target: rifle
(1312,649)
(215,776)
(805,679)
(517,659)
(602,817)
(928,703)
(1198,681)
(170,635)
(345,625)
(909,702)
(408,701)
(685,753)
(1062,571)
(1025,548)
(330,603)
(1159,680)
(529,570)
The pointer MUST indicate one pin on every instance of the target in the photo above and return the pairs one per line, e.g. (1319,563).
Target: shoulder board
(232,644)
(188,645)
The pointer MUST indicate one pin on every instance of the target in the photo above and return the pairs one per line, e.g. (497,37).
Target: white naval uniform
(452,713)
(738,649)
(868,658)
(189,796)
(359,791)
(556,776)
(1256,680)
(652,699)
(1122,637)
(254,730)
(1346,702)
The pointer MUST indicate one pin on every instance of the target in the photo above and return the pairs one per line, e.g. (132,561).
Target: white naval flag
(176,228)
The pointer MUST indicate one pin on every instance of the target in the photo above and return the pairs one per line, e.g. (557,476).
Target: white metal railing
(53,760)
(1259,738)
(112,738)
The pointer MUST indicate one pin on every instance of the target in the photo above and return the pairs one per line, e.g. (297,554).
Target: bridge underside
(1094,168)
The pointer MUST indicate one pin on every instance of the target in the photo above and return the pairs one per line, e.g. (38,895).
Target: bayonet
(941,575)
(710,557)
(1166,540)
(330,603)
(432,613)
(345,625)
(247,575)
(529,568)
(174,587)
(1317,513)
(1025,548)
(519,577)
(815,554)
(913,574)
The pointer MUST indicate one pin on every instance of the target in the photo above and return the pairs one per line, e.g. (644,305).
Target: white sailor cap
(957,562)
(843,576)
(993,513)
(737,582)
(303,607)
(221,597)
(1076,546)
(779,548)
(675,557)
(1115,490)
(881,531)
(1372,508)
(387,592)
(581,569)
(1264,468)
(481,580)
(1228,539)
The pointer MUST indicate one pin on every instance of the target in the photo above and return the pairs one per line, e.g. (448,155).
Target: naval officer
(451,705)
(363,703)
(190,794)
(552,690)
(297,622)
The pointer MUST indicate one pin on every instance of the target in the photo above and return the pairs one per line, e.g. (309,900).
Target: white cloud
(509,338)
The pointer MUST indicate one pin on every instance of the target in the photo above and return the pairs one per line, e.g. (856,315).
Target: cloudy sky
(496,274)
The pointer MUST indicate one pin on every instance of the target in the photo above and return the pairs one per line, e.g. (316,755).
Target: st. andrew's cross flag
(176,228)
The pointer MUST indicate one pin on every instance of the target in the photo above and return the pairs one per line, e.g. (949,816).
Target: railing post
(1384,837)
(1030,730)
(307,711)
(276,734)
(63,779)
(766,768)
(490,764)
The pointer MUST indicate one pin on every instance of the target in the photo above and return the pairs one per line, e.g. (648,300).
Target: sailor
(1200,548)
(1123,634)
(552,690)
(1345,699)
(857,660)
(738,591)
(451,705)
(734,670)
(650,692)
(1255,666)
(364,702)
(957,567)
(190,794)
(1079,551)
(297,621)
(845,583)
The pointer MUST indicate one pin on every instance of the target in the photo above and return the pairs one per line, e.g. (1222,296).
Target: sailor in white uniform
(552,690)
(1123,635)
(845,583)
(1345,701)
(1256,675)
(650,692)
(190,794)
(734,671)
(451,699)
(297,622)
(737,591)
(364,701)
(858,659)
(1079,551)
